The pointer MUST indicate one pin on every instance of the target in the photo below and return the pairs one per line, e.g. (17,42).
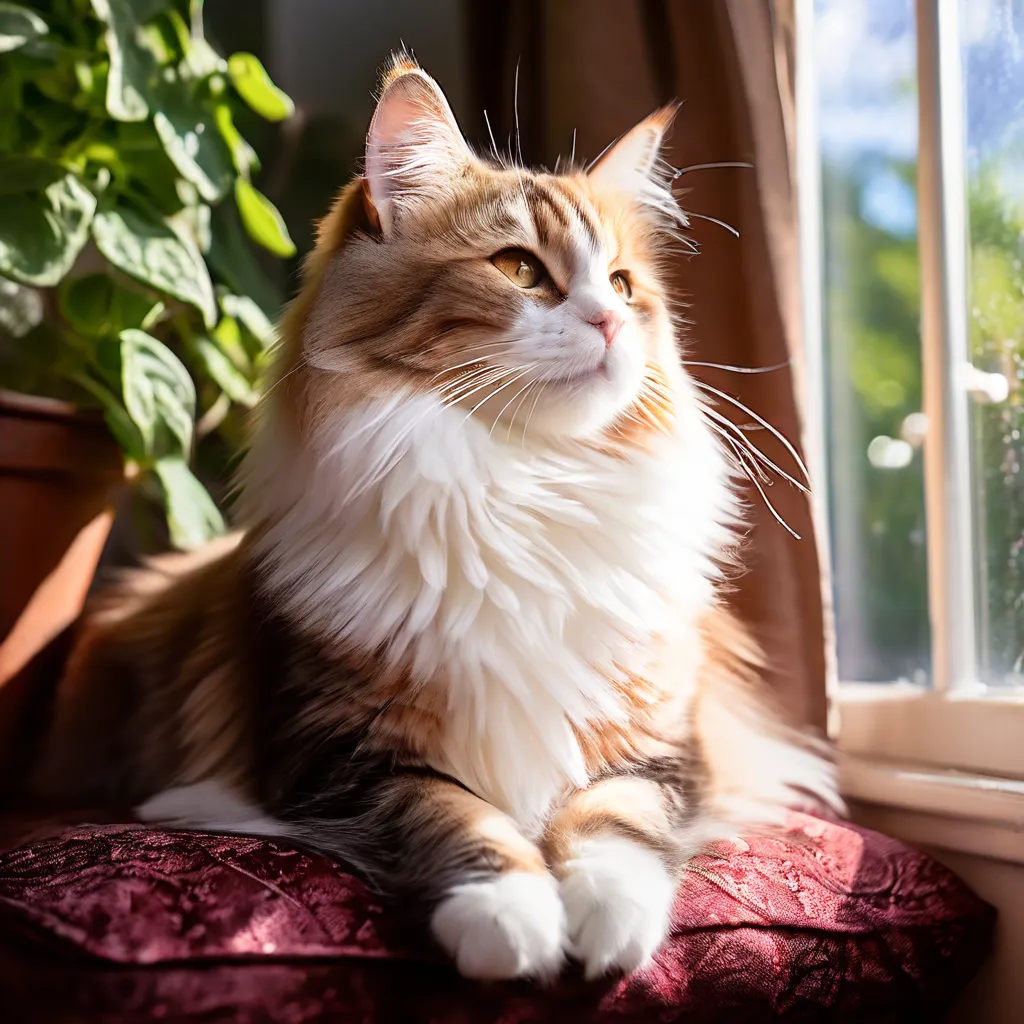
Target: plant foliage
(127,211)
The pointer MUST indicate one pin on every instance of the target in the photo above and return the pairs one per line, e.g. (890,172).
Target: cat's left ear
(414,144)
(631,164)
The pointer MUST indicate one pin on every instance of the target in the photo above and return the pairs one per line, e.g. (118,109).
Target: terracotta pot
(59,473)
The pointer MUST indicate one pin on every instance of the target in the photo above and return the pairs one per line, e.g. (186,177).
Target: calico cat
(470,640)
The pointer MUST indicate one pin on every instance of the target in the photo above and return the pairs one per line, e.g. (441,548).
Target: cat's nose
(609,323)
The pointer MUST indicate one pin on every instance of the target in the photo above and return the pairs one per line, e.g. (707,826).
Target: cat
(470,639)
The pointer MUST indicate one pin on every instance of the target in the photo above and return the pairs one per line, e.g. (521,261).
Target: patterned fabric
(118,923)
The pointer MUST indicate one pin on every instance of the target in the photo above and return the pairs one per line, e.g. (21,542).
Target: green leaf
(41,234)
(19,26)
(262,219)
(125,432)
(143,10)
(21,308)
(85,303)
(249,314)
(28,174)
(153,176)
(228,338)
(96,305)
(132,67)
(242,154)
(201,59)
(194,221)
(149,250)
(192,516)
(231,257)
(233,383)
(158,392)
(250,79)
(194,144)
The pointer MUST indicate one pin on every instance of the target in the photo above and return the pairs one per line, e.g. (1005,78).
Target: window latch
(985,388)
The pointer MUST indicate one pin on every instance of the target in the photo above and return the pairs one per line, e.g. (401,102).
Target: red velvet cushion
(121,923)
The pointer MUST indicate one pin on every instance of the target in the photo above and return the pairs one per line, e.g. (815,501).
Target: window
(911,166)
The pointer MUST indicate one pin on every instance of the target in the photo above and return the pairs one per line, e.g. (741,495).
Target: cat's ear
(414,143)
(631,164)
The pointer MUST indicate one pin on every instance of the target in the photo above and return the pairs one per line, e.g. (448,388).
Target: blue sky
(866,64)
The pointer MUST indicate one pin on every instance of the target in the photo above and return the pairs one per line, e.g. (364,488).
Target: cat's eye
(522,268)
(620,282)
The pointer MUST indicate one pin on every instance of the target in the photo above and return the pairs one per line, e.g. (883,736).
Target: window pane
(866,70)
(992,33)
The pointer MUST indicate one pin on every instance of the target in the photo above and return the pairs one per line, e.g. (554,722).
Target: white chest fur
(520,580)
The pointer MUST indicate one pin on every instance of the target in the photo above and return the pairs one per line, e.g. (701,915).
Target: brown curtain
(596,67)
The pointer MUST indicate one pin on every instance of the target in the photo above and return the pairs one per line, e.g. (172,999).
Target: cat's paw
(511,926)
(618,901)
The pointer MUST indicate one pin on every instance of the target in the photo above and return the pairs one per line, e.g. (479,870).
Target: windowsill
(975,732)
(954,810)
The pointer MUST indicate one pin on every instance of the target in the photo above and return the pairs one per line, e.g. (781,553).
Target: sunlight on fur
(470,639)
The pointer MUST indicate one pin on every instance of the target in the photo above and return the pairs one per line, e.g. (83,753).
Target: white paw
(508,927)
(618,900)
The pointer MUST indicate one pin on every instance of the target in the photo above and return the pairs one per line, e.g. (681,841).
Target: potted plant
(134,315)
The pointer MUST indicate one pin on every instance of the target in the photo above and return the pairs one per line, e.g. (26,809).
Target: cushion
(124,923)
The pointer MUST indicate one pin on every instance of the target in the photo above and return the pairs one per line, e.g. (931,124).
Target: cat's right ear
(414,146)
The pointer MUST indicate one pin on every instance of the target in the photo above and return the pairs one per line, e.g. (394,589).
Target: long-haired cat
(471,641)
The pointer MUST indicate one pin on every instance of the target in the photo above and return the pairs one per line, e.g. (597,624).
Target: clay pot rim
(47,436)
(19,404)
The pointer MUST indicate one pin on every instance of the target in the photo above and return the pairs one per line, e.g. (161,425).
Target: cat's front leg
(616,852)
(489,897)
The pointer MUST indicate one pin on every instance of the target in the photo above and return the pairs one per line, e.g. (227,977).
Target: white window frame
(895,737)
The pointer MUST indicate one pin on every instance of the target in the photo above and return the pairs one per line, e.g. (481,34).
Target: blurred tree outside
(873,331)
(873,385)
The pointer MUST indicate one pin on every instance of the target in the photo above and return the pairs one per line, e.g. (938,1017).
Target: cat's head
(520,297)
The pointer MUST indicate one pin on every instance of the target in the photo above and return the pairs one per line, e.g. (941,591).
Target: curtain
(589,70)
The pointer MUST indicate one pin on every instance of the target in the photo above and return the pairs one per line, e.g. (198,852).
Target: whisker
(464,375)
(533,409)
(494,145)
(521,391)
(466,389)
(738,369)
(468,362)
(458,387)
(468,377)
(764,423)
(498,390)
(593,163)
(764,497)
(741,438)
(714,220)
(731,442)
(572,155)
(277,383)
(678,172)
(515,412)
(522,188)
(515,110)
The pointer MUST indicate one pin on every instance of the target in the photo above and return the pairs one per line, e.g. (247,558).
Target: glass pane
(866,55)
(992,33)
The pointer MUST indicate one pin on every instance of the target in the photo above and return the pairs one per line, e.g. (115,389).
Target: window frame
(956,723)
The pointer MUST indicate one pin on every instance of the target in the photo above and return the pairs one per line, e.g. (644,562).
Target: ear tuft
(401,62)
(634,157)
(633,167)
(414,146)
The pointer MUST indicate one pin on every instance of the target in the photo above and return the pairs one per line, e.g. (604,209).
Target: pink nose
(609,323)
